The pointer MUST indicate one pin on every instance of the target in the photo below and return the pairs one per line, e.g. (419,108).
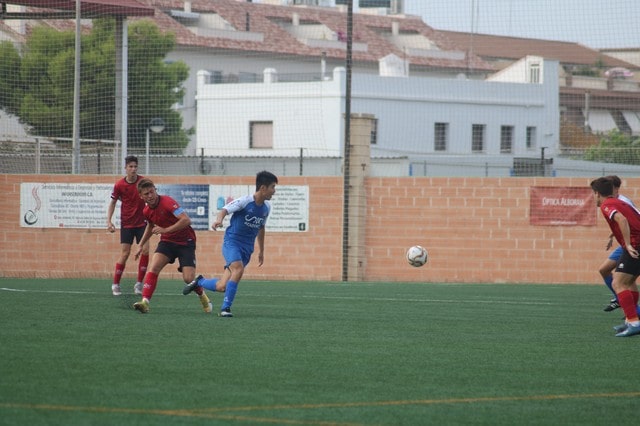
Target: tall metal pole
(146,146)
(76,93)
(347,146)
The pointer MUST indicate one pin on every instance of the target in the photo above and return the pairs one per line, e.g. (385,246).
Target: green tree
(10,93)
(615,147)
(38,86)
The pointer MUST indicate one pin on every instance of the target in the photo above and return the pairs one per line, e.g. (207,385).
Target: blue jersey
(247,219)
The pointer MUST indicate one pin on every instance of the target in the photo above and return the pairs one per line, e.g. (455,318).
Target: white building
(514,116)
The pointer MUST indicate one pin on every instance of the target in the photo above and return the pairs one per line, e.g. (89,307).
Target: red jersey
(132,205)
(164,215)
(612,206)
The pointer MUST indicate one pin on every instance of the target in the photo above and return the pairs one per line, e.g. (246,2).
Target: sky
(593,23)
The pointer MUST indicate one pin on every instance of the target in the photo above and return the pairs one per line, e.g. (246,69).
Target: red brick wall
(475,229)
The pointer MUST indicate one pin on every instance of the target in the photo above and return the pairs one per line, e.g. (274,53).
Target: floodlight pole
(347,147)
(76,93)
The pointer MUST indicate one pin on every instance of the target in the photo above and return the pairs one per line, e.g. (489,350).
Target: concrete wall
(476,230)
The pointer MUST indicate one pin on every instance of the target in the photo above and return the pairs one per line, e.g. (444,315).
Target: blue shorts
(615,255)
(234,252)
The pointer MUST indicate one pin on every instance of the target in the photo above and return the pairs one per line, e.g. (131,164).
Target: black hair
(603,186)
(130,159)
(617,183)
(265,178)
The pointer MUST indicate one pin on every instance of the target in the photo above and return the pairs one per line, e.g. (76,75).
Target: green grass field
(315,353)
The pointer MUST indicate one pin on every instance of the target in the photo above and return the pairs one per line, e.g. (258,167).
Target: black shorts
(186,255)
(628,265)
(127,235)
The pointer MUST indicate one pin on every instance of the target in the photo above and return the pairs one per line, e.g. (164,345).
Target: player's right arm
(219,218)
(145,239)
(112,208)
(623,223)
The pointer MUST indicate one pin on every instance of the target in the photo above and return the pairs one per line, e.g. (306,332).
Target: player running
(248,219)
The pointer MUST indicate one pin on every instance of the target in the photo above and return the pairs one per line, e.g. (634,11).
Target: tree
(615,147)
(38,86)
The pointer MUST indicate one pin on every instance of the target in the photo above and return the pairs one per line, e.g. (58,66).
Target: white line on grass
(306,296)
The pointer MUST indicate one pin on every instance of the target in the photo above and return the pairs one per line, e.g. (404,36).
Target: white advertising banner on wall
(289,206)
(80,205)
(64,205)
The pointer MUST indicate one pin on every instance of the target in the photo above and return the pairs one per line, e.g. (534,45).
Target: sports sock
(229,294)
(636,295)
(608,281)
(627,304)
(209,284)
(142,266)
(118,274)
(150,283)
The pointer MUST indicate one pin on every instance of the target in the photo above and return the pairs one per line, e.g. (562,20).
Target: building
(416,117)
(593,100)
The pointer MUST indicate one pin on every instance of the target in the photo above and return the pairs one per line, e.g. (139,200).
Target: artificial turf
(315,353)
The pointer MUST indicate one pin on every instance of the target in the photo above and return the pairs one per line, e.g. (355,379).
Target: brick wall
(475,229)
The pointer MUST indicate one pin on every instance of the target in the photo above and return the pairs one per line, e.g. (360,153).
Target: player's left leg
(143,262)
(236,270)
(627,291)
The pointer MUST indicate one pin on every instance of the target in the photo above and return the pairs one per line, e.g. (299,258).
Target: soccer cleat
(142,306)
(137,288)
(620,328)
(631,330)
(206,304)
(115,289)
(226,312)
(612,306)
(192,285)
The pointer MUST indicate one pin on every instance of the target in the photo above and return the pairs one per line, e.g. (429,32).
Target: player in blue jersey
(248,219)
(609,265)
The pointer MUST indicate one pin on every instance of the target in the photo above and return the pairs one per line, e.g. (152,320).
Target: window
(374,132)
(477,137)
(534,73)
(531,137)
(261,134)
(506,139)
(440,137)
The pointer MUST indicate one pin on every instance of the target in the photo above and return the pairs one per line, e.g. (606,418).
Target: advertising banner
(65,205)
(80,205)
(565,206)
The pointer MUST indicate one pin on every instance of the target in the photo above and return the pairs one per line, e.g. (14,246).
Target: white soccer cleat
(115,289)
(137,288)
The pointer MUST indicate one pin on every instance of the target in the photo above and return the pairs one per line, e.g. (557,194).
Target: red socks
(628,300)
(150,283)
(118,274)
(142,266)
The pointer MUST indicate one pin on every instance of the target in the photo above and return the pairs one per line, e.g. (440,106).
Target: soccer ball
(417,256)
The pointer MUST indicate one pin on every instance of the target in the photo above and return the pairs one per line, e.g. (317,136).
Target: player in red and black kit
(624,222)
(166,218)
(132,223)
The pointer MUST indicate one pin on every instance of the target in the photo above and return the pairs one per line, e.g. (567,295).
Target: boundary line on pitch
(304,296)
(219,413)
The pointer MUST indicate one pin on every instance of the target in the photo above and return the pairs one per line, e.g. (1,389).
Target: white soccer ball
(417,256)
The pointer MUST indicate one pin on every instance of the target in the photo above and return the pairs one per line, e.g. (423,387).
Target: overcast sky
(593,23)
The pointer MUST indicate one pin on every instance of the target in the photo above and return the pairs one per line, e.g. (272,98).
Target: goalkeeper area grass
(315,353)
